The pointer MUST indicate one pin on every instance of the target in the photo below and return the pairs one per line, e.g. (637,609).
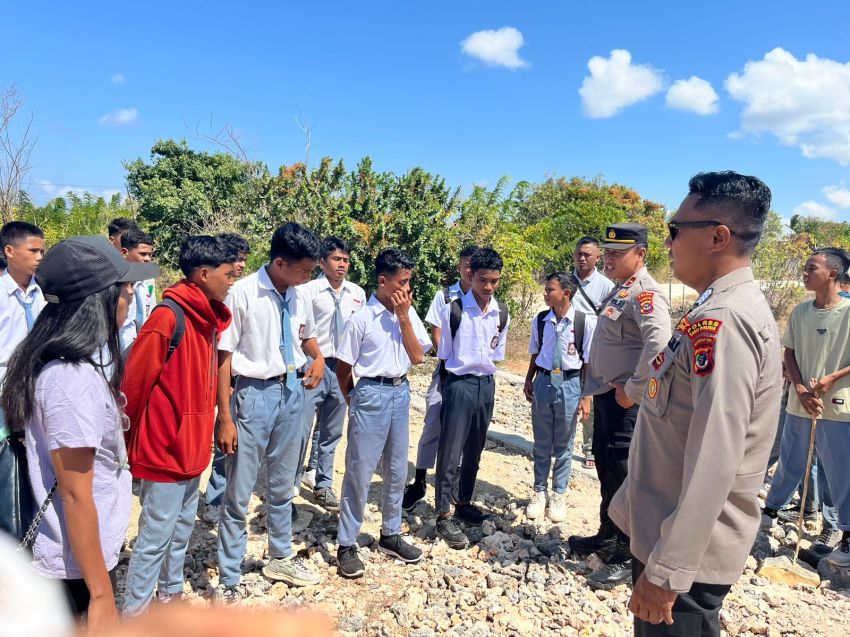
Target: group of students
(100,379)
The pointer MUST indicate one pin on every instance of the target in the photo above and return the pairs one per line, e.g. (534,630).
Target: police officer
(633,326)
(708,418)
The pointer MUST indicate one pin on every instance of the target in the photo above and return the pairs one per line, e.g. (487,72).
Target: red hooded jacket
(171,405)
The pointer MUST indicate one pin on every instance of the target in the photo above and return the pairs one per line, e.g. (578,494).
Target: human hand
(652,603)
(822,386)
(402,301)
(810,401)
(102,614)
(620,395)
(528,390)
(584,407)
(226,435)
(314,374)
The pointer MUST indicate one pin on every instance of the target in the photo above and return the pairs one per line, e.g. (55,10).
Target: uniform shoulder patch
(704,357)
(645,302)
(706,326)
(702,334)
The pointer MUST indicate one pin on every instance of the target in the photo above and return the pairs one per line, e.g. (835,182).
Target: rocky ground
(516,579)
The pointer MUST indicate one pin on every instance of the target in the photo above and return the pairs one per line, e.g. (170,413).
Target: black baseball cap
(622,236)
(81,266)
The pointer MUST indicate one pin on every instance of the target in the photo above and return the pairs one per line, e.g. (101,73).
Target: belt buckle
(397,381)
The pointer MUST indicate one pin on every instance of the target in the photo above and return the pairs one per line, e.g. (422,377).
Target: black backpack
(179,328)
(579,332)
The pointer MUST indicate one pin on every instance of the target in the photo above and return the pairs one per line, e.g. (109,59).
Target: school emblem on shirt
(659,361)
(644,300)
(301,331)
(652,390)
(494,343)
(571,349)
(704,357)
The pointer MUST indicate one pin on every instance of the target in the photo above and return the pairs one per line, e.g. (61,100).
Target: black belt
(281,378)
(465,376)
(387,380)
(567,373)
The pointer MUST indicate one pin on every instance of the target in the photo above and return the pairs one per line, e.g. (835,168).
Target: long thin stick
(805,487)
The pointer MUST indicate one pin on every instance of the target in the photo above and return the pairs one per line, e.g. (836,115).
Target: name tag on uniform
(612,313)
(301,331)
(495,342)
(571,349)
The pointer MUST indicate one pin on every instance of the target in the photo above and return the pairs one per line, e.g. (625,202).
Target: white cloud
(118,78)
(120,117)
(49,190)
(615,83)
(804,103)
(814,209)
(839,197)
(498,47)
(694,95)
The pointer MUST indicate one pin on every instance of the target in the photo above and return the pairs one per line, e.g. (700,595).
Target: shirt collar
(12,286)
(324,284)
(741,275)
(469,301)
(377,306)
(265,283)
(455,287)
(593,274)
(570,315)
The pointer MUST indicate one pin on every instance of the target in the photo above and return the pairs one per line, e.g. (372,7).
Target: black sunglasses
(674,226)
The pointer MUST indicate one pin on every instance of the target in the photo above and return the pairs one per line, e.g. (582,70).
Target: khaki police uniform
(632,328)
(703,436)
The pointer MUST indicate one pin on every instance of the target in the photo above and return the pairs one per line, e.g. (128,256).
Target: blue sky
(419,84)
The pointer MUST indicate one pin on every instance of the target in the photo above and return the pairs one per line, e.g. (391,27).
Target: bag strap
(596,310)
(503,316)
(455,314)
(541,325)
(179,328)
(447,296)
(579,335)
(32,531)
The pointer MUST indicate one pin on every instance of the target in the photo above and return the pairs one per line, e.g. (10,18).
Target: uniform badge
(612,234)
(683,324)
(659,361)
(571,349)
(703,297)
(652,390)
(644,300)
(612,313)
(704,358)
(630,282)
(495,342)
(301,332)
(623,294)
(707,326)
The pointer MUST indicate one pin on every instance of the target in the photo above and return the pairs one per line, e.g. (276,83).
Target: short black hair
(565,280)
(294,242)
(467,252)
(197,252)
(236,241)
(486,259)
(332,244)
(13,232)
(132,237)
(836,258)
(738,201)
(121,224)
(391,261)
(586,240)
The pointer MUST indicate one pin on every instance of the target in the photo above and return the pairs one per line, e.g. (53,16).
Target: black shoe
(600,542)
(450,531)
(349,564)
(470,513)
(792,515)
(326,498)
(611,575)
(827,540)
(396,546)
(414,493)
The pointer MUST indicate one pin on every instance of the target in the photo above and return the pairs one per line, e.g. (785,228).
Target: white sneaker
(557,511)
(308,478)
(840,555)
(168,598)
(536,506)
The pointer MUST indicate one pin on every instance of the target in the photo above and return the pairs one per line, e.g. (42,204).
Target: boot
(603,541)
(616,570)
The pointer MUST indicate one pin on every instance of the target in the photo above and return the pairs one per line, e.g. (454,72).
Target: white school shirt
(439,303)
(128,332)
(254,333)
(569,352)
(478,343)
(319,294)
(13,319)
(373,345)
(597,286)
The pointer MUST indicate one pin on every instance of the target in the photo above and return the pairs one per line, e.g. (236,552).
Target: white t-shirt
(75,409)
